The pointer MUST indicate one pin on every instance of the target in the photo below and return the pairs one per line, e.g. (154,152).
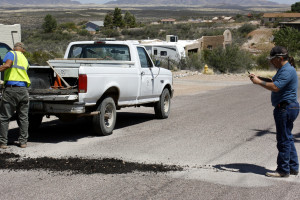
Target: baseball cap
(20,44)
(278,51)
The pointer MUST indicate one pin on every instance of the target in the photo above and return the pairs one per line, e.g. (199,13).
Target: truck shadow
(56,131)
(125,119)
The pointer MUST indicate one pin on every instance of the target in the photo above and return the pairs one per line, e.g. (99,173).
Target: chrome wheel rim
(109,115)
(166,104)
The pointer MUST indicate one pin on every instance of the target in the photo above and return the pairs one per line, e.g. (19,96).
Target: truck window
(100,51)
(144,58)
(3,51)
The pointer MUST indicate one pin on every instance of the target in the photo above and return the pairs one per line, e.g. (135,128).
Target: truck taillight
(82,83)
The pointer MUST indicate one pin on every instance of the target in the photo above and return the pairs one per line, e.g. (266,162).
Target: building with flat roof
(273,17)
(294,24)
(168,21)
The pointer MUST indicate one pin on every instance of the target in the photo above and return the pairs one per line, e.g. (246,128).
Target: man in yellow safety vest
(15,95)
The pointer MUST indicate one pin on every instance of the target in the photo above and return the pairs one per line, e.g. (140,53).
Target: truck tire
(104,122)
(162,107)
(35,121)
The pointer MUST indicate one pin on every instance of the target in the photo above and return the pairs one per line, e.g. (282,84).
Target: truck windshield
(100,51)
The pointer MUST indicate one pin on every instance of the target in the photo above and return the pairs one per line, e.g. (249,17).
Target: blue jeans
(287,154)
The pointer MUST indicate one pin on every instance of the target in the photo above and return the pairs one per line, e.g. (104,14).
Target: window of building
(209,47)
(155,52)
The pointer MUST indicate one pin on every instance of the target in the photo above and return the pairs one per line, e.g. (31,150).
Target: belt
(282,104)
(12,86)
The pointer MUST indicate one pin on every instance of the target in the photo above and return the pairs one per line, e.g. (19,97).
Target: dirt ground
(260,40)
(190,83)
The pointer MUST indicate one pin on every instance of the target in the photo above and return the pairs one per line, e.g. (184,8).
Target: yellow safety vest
(18,71)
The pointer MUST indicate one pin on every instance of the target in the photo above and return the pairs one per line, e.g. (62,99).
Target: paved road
(224,139)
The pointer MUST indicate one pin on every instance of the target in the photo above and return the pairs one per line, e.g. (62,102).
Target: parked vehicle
(4,48)
(94,79)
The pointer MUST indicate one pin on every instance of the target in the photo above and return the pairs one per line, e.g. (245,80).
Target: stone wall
(211,42)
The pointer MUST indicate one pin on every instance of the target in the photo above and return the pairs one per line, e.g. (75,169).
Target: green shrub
(262,61)
(111,33)
(41,57)
(247,28)
(67,26)
(194,62)
(229,60)
(83,32)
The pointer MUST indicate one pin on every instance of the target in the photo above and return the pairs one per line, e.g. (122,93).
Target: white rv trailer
(10,34)
(171,49)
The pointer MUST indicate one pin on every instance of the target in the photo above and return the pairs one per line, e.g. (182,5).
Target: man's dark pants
(14,99)
(287,154)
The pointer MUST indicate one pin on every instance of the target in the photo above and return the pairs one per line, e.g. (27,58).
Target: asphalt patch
(78,165)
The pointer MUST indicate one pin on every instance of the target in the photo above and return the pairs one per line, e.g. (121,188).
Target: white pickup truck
(94,79)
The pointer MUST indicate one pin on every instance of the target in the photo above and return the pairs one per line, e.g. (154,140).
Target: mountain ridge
(195,2)
(38,2)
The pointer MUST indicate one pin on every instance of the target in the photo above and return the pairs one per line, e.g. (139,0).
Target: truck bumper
(56,108)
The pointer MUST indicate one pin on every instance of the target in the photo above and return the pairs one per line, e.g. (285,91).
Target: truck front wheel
(104,122)
(162,107)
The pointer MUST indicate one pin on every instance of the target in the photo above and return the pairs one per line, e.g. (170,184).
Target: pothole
(79,165)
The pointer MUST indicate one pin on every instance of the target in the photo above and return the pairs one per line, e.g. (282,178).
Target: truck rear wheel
(104,122)
(162,107)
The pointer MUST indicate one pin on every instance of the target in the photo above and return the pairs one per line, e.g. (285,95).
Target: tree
(288,37)
(129,20)
(49,24)
(118,20)
(108,21)
(295,7)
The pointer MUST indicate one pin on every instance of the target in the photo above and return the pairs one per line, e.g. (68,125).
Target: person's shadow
(242,168)
(297,138)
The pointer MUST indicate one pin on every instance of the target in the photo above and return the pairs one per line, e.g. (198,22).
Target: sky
(104,1)
(285,1)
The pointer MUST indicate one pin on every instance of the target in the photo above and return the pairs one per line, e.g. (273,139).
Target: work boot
(294,172)
(277,174)
(3,146)
(24,145)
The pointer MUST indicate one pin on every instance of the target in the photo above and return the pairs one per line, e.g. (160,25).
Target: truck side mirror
(157,63)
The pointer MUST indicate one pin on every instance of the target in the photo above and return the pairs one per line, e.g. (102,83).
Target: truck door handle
(142,73)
